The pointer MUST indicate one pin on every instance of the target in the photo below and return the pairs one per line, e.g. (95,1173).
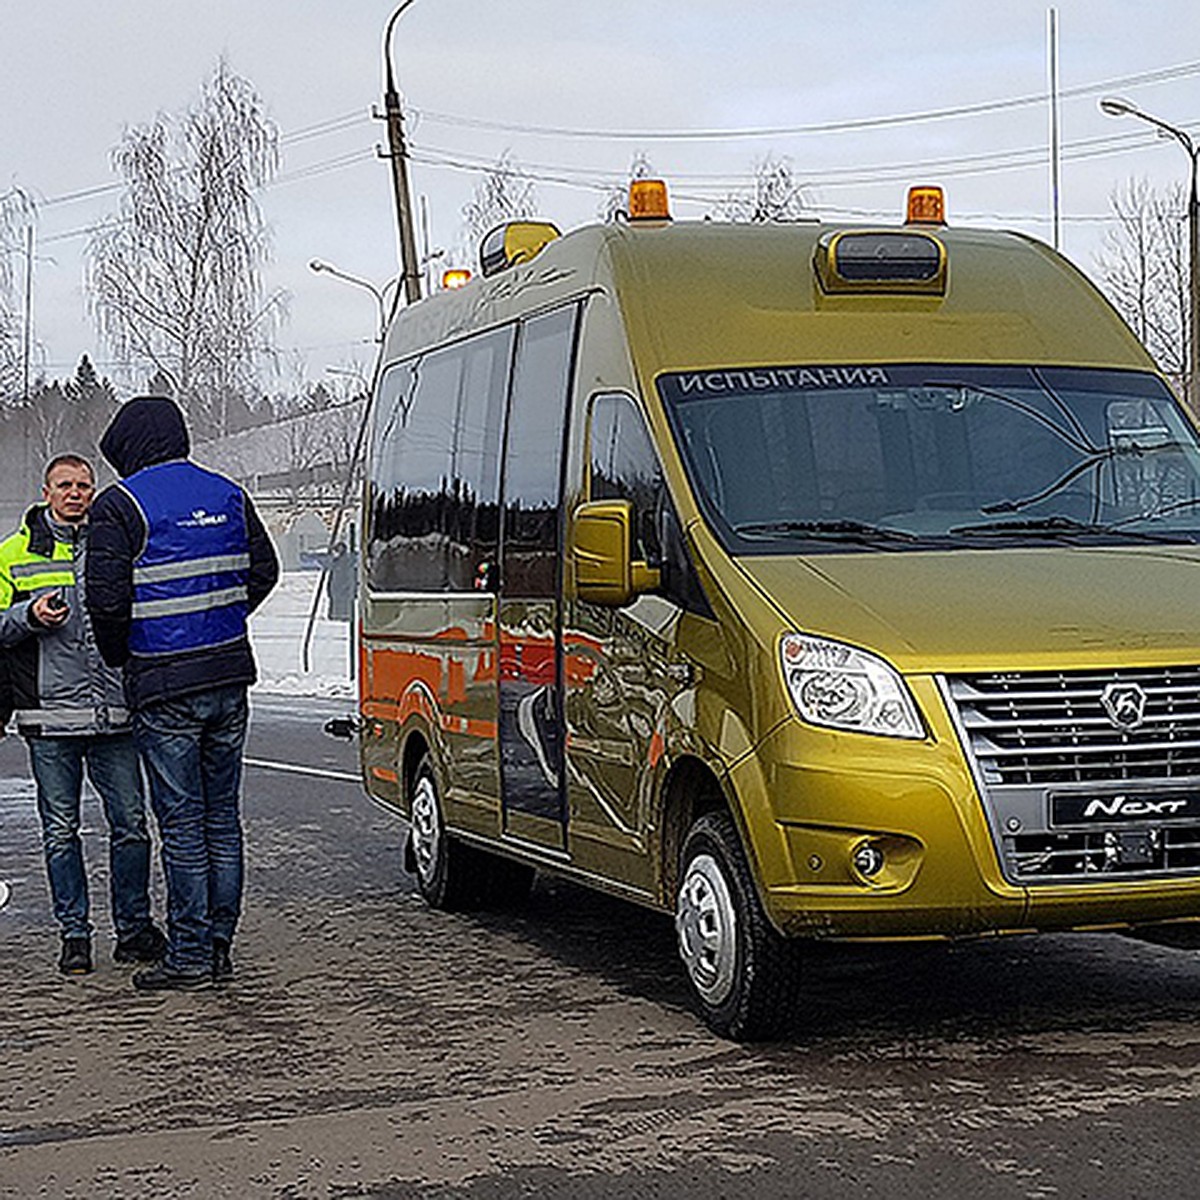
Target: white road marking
(296,769)
(5,892)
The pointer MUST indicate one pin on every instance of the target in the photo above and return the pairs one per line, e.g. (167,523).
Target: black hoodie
(145,431)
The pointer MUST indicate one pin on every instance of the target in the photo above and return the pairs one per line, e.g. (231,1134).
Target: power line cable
(989,162)
(321,168)
(986,163)
(604,181)
(333,125)
(349,120)
(67,234)
(1182,70)
(101,189)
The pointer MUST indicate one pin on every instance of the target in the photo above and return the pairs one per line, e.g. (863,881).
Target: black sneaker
(146,946)
(163,979)
(76,956)
(222,968)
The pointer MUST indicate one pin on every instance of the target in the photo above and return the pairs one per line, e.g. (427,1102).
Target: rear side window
(473,504)
(434,491)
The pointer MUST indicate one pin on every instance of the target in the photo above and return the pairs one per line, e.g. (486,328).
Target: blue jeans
(112,766)
(192,751)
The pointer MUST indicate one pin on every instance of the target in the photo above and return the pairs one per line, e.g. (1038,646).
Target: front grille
(1050,727)
(1170,850)
(1070,795)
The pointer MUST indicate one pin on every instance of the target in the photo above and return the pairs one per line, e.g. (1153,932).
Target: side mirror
(605,572)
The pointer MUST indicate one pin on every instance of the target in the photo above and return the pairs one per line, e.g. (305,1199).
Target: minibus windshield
(897,458)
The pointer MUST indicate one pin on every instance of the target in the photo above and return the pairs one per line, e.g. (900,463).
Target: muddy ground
(370,1047)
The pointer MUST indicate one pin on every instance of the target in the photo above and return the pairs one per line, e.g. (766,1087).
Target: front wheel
(744,976)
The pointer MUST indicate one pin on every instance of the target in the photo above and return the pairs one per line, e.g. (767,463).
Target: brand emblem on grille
(1124,704)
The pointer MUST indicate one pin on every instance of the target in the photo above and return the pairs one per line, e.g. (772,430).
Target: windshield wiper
(834,531)
(1056,527)
(1156,514)
(1093,459)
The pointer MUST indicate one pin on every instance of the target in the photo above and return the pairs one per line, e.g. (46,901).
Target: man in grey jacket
(71,709)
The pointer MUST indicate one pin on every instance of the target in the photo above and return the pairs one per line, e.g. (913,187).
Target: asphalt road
(370,1047)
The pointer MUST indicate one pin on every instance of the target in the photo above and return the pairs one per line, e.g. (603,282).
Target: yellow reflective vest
(58,684)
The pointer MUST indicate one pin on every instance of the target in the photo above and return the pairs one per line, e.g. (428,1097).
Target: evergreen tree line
(70,415)
(59,416)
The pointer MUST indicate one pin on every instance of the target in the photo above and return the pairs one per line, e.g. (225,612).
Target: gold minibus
(805,581)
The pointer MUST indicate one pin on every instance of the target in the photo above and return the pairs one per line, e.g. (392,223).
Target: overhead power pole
(27,331)
(410,274)
(1055,140)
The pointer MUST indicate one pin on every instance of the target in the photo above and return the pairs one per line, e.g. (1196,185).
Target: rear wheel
(442,866)
(744,976)
(450,874)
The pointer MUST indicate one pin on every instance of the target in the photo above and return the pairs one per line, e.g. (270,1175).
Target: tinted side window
(412,488)
(435,466)
(385,496)
(474,508)
(533,454)
(625,467)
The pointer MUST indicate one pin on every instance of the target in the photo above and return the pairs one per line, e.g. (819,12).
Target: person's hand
(50,609)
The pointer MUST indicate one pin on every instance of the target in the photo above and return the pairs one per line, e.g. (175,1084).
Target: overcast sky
(481,78)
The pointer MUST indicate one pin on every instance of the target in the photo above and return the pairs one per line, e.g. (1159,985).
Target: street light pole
(380,294)
(398,153)
(1115,107)
(320,266)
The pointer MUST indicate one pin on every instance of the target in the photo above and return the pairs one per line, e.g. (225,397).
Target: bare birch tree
(1143,268)
(16,212)
(503,194)
(175,279)
(775,195)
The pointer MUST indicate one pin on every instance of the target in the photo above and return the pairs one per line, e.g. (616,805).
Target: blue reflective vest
(189,582)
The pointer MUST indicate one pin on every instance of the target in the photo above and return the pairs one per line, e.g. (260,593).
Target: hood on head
(145,431)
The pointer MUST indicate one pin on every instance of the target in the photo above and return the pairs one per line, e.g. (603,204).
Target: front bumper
(810,800)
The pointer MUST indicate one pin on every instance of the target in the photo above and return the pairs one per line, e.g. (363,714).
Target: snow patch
(277,633)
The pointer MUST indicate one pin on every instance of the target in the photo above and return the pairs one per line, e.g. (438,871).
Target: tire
(452,876)
(743,975)
(442,866)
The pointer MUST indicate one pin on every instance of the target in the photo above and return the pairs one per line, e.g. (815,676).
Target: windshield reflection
(896,458)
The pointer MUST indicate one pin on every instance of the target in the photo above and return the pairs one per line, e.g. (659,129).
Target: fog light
(868,860)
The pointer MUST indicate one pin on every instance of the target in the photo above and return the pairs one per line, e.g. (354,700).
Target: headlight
(838,686)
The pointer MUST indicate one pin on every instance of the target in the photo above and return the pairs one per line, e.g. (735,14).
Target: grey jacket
(60,685)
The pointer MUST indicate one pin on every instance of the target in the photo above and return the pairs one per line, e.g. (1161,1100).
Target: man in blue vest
(178,559)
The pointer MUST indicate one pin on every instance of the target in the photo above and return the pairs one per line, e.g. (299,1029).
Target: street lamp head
(322,267)
(1114,106)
